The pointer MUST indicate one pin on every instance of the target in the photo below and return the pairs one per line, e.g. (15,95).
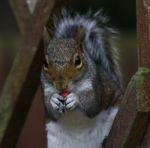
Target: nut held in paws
(64,93)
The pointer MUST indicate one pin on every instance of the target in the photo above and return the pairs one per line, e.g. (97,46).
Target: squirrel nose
(64,86)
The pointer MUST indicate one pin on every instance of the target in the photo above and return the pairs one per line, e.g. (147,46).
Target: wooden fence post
(23,79)
(133,120)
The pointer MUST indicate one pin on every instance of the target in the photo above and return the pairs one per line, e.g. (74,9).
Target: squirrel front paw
(56,103)
(72,100)
(61,105)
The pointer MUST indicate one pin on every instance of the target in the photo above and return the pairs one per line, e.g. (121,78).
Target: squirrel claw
(71,101)
(57,103)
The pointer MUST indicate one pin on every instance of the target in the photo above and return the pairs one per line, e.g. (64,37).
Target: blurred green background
(122,15)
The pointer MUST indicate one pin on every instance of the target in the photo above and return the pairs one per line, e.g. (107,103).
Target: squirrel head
(64,63)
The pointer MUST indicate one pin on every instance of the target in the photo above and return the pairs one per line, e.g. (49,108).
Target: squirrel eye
(77,61)
(45,65)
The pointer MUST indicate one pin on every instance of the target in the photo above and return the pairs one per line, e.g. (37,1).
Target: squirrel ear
(80,35)
(46,37)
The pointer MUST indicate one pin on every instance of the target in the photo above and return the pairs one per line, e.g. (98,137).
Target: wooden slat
(143,32)
(23,79)
(125,132)
(22,13)
(132,121)
(146,140)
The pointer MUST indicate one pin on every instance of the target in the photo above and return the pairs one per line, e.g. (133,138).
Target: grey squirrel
(81,81)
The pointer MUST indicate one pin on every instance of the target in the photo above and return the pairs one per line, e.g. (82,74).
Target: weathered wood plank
(22,13)
(23,79)
(143,33)
(133,120)
(125,132)
(146,140)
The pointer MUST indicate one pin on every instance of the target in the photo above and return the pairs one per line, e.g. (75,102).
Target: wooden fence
(132,125)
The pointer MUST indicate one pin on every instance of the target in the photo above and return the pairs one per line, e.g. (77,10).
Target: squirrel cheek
(57,85)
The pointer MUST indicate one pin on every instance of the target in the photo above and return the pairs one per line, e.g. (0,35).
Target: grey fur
(100,61)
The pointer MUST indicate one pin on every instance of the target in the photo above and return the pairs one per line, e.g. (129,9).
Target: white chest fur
(74,130)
